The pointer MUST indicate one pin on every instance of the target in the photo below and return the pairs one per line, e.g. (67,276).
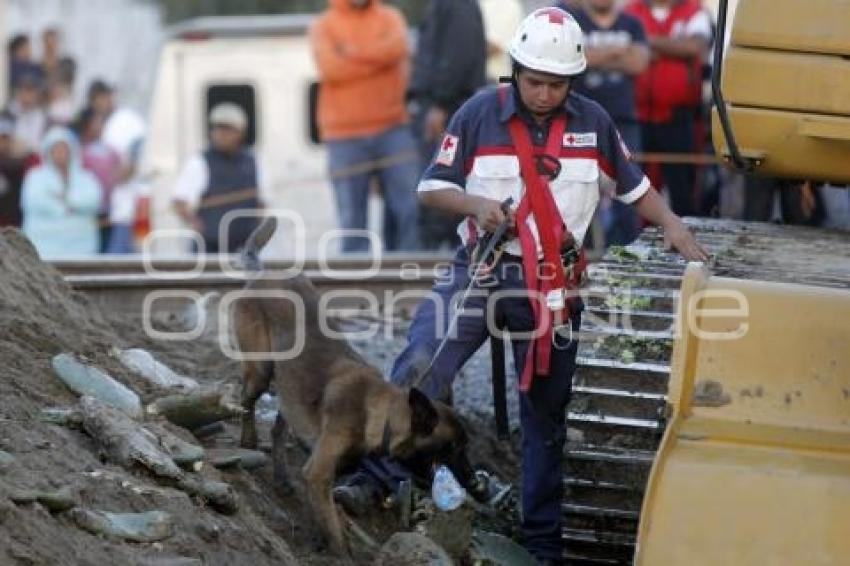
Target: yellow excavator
(782,89)
(754,465)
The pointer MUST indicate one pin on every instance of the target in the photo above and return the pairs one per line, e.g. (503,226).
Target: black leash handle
(500,232)
(499,382)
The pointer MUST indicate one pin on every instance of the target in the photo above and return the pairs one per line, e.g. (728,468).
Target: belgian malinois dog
(331,399)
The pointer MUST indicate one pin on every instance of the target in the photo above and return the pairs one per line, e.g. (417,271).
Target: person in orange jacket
(361,51)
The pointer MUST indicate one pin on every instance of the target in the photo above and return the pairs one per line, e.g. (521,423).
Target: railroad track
(136,263)
(123,284)
(617,414)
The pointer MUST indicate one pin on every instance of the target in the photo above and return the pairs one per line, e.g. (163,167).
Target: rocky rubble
(113,474)
(71,496)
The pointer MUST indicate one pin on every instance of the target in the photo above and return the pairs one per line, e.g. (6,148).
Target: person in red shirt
(669,92)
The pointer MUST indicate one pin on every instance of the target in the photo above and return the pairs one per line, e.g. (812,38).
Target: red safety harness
(546,279)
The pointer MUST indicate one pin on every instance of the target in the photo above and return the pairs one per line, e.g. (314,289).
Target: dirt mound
(40,316)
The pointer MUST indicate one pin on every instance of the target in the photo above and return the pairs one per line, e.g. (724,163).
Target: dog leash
(493,241)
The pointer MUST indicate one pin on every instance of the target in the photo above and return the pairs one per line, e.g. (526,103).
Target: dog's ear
(423,415)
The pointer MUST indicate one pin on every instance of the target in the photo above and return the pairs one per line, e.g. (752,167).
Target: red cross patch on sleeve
(448,149)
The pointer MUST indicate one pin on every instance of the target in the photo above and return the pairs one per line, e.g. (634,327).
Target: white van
(264,64)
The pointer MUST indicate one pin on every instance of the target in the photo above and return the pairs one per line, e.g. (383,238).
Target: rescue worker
(551,151)
(449,67)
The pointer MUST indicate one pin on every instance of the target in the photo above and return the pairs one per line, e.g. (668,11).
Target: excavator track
(617,413)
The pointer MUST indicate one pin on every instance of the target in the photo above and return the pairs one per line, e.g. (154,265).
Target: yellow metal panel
(813,128)
(785,369)
(817,26)
(725,504)
(787,81)
(754,467)
(789,151)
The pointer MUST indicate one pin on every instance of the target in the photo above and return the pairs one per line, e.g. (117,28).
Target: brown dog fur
(330,398)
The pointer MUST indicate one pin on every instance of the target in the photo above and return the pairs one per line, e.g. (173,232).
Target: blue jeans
(398,180)
(120,239)
(542,409)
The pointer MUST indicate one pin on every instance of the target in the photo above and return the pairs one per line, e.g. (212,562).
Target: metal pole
(719,102)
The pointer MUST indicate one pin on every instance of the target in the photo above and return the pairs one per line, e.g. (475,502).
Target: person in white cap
(551,152)
(223,178)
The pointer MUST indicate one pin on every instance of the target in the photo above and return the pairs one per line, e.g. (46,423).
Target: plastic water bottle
(447,493)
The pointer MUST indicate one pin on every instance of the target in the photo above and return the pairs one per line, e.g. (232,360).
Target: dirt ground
(40,316)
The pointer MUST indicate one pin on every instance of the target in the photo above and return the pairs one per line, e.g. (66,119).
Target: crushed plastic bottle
(447,493)
(84,379)
(148,367)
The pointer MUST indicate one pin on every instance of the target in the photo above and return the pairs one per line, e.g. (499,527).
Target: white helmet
(550,41)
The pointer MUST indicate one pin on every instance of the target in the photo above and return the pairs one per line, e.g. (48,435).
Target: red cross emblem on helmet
(556,15)
(549,41)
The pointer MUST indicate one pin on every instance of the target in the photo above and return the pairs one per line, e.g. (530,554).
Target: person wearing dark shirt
(220,191)
(449,67)
(26,107)
(20,60)
(11,175)
(616,52)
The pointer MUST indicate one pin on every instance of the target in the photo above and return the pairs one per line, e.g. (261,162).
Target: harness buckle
(558,331)
(548,166)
